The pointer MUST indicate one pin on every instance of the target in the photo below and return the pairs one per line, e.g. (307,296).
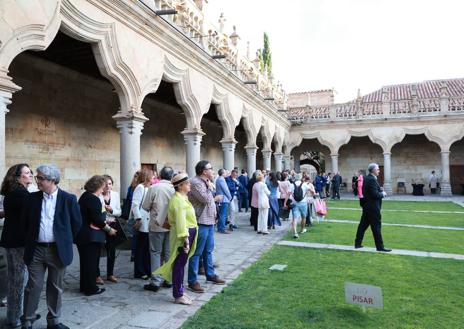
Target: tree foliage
(265,56)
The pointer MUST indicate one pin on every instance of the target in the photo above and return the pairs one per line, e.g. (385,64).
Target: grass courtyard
(309,293)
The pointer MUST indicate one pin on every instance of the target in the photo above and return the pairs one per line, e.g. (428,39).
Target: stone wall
(64,117)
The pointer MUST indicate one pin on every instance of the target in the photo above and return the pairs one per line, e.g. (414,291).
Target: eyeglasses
(40,178)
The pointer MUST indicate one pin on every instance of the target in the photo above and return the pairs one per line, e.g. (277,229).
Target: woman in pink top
(284,188)
(361,174)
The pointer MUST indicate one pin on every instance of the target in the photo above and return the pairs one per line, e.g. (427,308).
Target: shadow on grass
(350,315)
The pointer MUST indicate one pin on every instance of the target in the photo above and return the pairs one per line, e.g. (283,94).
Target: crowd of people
(171,219)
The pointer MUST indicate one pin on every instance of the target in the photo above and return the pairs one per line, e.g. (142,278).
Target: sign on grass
(363,294)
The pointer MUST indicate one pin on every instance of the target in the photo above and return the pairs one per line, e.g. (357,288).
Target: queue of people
(171,218)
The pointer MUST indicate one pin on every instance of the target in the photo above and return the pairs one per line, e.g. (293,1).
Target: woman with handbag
(263,204)
(142,268)
(111,202)
(91,236)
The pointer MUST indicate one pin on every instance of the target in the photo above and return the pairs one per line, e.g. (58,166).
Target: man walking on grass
(372,203)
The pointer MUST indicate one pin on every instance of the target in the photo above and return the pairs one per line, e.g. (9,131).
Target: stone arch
(186,95)
(279,139)
(224,108)
(252,124)
(267,132)
(35,36)
(114,48)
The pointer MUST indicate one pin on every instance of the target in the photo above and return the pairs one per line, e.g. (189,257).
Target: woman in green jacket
(183,238)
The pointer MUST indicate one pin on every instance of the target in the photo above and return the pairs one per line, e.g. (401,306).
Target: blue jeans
(223,212)
(205,247)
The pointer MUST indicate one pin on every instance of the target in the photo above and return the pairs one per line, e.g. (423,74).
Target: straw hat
(179,179)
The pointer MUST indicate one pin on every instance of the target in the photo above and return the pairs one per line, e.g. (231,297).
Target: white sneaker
(304,231)
(296,236)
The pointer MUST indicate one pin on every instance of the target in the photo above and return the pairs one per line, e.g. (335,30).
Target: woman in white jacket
(263,204)
(142,268)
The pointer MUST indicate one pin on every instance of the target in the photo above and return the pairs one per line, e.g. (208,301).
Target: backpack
(298,192)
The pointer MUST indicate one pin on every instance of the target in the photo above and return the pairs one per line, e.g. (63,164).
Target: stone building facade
(408,129)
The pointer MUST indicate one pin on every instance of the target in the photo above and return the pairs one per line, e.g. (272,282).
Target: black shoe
(384,250)
(98,292)
(166,285)
(151,287)
(358,246)
(58,326)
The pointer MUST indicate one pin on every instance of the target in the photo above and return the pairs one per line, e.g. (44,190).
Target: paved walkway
(126,305)
(449,228)
(367,249)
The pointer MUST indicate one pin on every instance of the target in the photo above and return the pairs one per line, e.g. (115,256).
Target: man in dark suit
(53,220)
(373,195)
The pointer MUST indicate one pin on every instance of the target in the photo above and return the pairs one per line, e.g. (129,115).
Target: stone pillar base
(445,189)
(387,188)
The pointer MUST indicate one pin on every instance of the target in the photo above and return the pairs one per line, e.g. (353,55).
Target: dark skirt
(273,217)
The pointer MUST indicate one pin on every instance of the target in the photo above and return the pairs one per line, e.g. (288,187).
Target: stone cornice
(142,20)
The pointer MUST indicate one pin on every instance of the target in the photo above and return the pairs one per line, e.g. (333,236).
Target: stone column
(130,130)
(334,157)
(5,100)
(251,159)
(266,159)
(193,142)
(228,149)
(287,162)
(445,180)
(387,173)
(278,161)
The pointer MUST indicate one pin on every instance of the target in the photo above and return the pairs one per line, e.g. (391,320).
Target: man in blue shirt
(223,189)
(233,185)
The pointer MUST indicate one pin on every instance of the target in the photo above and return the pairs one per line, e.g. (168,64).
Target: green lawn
(402,217)
(404,205)
(418,292)
(393,237)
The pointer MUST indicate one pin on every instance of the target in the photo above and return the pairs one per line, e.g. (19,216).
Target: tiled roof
(425,89)
(311,92)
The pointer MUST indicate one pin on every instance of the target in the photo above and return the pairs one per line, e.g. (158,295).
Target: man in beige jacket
(156,202)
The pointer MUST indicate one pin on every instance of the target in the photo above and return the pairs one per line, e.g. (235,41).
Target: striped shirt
(202,199)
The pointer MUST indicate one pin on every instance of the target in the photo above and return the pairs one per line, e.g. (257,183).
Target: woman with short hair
(263,204)
(91,237)
(14,189)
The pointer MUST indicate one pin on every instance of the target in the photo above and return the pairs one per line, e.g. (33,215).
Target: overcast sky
(351,44)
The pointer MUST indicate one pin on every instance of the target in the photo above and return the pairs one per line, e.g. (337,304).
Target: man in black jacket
(54,219)
(373,195)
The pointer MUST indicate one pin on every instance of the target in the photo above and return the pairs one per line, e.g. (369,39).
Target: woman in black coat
(91,237)
(14,189)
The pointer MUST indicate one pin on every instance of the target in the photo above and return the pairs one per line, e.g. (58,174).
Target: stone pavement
(126,305)
(368,249)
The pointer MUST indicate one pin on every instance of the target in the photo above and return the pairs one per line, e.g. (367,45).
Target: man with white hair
(373,195)
(54,219)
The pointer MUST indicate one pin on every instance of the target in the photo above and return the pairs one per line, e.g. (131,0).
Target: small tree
(265,56)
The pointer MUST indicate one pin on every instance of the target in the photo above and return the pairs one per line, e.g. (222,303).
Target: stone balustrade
(357,110)
(191,21)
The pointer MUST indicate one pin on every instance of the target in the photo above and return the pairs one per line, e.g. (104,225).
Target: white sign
(278,267)
(364,295)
